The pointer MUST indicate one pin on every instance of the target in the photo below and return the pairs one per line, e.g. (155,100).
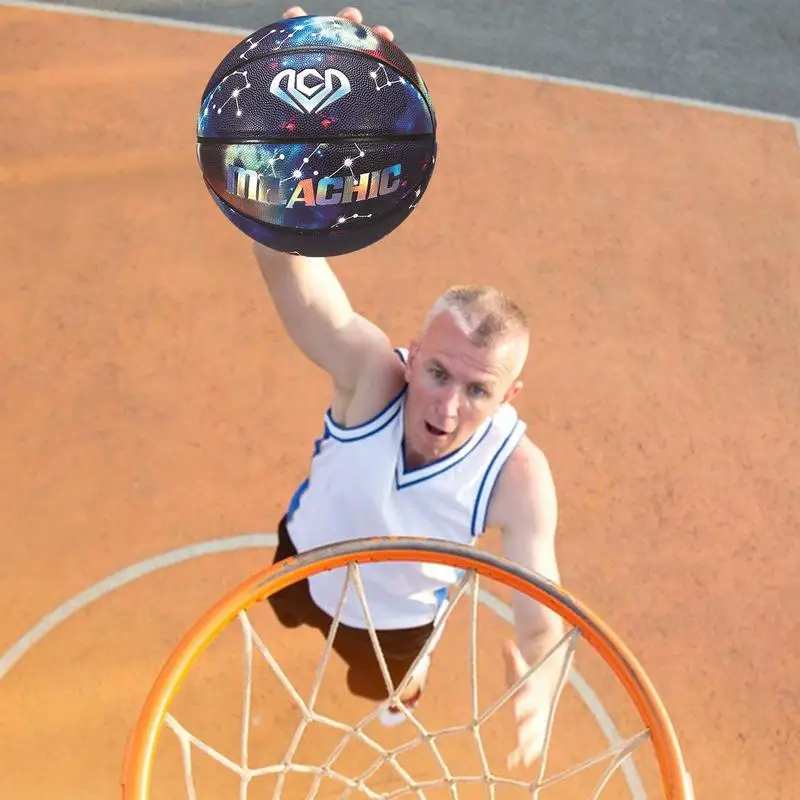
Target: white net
(385,769)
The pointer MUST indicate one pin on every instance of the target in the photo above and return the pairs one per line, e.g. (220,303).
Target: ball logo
(307,90)
(332,190)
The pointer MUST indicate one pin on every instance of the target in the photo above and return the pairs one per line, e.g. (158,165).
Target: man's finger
(294,11)
(525,754)
(351,13)
(386,33)
(514,758)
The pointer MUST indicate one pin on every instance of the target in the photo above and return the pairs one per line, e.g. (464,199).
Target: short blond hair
(486,314)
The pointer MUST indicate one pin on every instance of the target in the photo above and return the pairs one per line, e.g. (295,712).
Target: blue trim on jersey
(453,458)
(517,430)
(294,503)
(345,431)
(331,425)
(385,423)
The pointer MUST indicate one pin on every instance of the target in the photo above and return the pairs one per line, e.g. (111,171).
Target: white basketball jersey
(359,487)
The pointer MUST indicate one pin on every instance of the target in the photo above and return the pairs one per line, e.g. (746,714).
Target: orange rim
(143,739)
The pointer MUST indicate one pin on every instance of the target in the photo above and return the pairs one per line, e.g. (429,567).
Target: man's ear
(513,391)
(413,350)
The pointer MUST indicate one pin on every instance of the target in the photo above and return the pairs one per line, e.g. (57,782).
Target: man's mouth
(434,431)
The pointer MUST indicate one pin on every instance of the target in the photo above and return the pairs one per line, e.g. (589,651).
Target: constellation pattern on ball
(298,172)
(234,93)
(380,77)
(344,220)
(347,163)
(252,45)
(271,163)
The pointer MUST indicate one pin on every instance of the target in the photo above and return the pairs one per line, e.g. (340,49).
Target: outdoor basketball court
(156,419)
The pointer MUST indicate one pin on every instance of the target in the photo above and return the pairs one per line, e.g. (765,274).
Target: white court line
(625,91)
(268,540)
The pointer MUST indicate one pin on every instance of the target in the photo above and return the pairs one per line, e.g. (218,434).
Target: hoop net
(383,770)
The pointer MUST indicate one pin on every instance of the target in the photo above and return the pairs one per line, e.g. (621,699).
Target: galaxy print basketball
(315,136)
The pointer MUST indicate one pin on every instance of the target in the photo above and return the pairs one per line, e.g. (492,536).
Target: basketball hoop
(473,564)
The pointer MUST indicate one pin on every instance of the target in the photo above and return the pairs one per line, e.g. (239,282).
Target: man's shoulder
(525,488)
(526,467)
(528,455)
(382,378)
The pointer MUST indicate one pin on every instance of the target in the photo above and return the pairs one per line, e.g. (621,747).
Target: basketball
(316,136)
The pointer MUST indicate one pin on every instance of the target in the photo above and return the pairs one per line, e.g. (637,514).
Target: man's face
(454,385)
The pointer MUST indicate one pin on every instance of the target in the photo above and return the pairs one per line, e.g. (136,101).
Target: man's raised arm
(317,315)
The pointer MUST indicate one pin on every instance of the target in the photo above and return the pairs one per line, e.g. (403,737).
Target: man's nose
(450,402)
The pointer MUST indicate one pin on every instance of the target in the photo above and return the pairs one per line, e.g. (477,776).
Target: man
(422,442)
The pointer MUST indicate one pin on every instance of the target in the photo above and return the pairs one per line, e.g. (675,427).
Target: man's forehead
(464,357)
(446,340)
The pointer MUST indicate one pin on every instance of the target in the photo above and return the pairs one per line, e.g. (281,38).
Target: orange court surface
(151,403)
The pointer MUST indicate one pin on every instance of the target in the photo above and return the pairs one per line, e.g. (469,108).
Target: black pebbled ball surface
(316,136)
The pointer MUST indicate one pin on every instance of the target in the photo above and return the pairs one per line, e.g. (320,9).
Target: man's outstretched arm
(525,509)
(313,306)
(317,315)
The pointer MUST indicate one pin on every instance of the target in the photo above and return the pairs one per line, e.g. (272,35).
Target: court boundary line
(148,566)
(624,91)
